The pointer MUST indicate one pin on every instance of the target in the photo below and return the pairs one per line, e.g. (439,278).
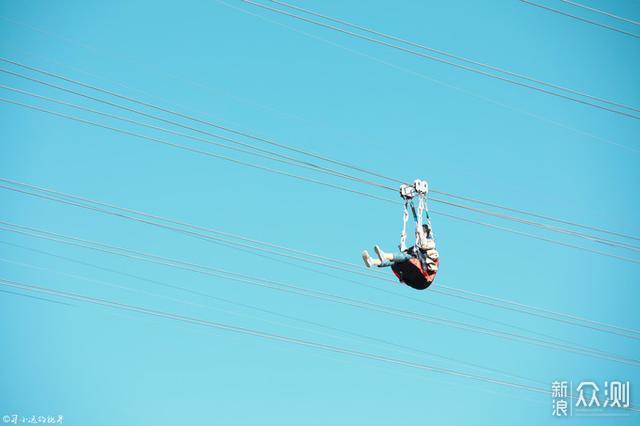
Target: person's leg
(388,259)
(369,261)
(384,257)
(384,263)
(401,256)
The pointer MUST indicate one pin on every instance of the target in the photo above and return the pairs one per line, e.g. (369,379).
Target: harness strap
(420,235)
(413,212)
(428,220)
(405,218)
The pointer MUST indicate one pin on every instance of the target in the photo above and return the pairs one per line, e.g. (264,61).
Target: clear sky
(351,100)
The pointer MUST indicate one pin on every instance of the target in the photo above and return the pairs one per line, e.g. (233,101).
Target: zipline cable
(588,21)
(41,299)
(552,228)
(444,61)
(200,120)
(261,152)
(536,237)
(270,336)
(194,150)
(451,55)
(251,332)
(540,216)
(602,12)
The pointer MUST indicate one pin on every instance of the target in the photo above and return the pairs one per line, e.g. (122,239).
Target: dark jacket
(412,272)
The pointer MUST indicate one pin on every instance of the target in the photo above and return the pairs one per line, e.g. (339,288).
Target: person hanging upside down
(416,266)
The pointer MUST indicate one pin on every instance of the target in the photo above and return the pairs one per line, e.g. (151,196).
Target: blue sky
(350,100)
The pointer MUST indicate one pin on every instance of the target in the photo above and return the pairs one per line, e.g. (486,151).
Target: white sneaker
(380,253)
(367,259)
